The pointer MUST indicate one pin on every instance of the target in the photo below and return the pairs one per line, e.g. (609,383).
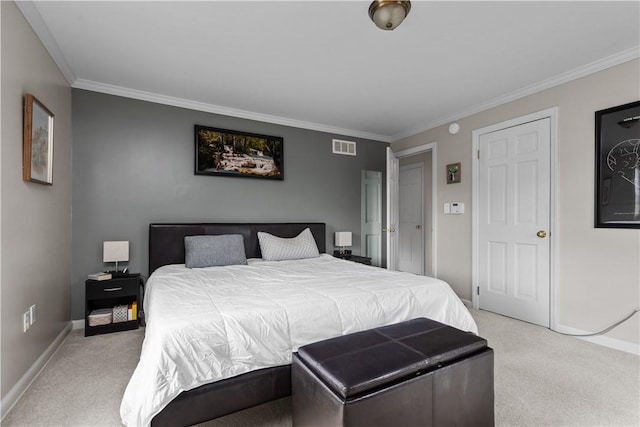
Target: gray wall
(133,164)
(36,219)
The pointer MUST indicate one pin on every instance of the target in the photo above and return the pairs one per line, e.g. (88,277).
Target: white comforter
(214,323)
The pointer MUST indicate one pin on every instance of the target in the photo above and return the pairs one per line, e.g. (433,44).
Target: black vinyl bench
(415,373)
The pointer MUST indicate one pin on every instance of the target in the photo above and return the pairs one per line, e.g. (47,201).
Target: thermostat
(457,208)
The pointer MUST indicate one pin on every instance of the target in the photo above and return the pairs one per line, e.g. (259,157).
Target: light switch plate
(447,208)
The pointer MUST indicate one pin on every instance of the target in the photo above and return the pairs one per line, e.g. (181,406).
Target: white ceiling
(324,65)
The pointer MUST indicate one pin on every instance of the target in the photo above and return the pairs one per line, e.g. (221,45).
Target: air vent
(344,147)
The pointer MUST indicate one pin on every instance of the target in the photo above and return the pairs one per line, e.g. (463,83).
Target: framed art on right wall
(617,189)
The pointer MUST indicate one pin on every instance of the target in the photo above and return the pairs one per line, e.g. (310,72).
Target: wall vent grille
(344,147)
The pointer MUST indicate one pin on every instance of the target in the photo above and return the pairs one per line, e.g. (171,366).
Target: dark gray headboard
(166,241)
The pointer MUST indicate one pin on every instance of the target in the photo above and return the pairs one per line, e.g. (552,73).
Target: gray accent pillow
(275,248)
(213,251)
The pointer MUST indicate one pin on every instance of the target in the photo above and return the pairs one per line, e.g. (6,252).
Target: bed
(219,339)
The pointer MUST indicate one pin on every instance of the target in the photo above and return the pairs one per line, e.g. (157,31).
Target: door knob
(541,234)
(418,227)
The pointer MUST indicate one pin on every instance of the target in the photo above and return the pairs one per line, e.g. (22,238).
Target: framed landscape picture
(225,152)
(617,192)
(37,145)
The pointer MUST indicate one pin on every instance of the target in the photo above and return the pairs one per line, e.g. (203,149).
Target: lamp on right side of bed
(342,239)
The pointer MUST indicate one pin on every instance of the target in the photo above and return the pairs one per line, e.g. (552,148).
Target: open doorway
(413,233)
(414,214)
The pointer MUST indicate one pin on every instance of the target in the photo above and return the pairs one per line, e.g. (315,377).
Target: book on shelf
(132,313)
(99,276)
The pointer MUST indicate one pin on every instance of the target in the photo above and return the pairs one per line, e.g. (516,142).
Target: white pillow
(275,248)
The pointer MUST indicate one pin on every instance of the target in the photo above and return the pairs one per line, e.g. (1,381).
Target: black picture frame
(617,183)
(224,152)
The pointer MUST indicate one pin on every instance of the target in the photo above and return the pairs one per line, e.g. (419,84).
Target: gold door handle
(418,227)
(541,234)
(388,230)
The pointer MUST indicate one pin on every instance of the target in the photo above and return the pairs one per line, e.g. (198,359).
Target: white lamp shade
(343,238)
(115,251)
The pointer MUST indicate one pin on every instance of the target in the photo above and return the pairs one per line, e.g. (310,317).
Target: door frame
(552,114)
(420,166)
(433,147)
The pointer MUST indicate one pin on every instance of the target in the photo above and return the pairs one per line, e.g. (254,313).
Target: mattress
(209,324)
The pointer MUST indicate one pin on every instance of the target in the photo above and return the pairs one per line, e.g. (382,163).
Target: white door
(513,221)
(371,212)
(392,210)
(410,221)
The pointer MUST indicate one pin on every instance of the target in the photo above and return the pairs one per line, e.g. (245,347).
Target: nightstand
(106,294)
(355,258)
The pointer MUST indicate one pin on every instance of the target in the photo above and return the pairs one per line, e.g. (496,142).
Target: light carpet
(541,379)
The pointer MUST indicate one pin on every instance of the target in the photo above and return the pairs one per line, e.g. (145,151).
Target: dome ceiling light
(387,15)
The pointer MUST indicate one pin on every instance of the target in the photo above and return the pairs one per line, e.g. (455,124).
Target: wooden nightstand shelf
(108,294)
(355,258)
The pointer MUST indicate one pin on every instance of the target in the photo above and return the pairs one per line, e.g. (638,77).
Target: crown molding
(31,13)
(585,70)
(218,109)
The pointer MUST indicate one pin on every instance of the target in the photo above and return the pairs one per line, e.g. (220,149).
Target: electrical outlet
(32,314)
(26,321)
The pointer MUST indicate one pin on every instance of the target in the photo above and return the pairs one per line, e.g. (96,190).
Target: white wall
(599,268)
(35,243)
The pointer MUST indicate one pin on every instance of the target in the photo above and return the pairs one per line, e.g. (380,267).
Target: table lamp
(115,252)
(342,240)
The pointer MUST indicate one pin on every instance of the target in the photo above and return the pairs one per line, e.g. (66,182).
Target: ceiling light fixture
(387,15)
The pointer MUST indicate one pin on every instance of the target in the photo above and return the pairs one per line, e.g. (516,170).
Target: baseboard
(16,392)
(603,340)
(78,324)
(466,303)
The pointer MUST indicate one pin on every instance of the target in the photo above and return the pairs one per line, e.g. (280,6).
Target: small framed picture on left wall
(37,148)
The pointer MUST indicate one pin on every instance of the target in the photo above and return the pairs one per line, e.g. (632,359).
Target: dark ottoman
(415,373)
